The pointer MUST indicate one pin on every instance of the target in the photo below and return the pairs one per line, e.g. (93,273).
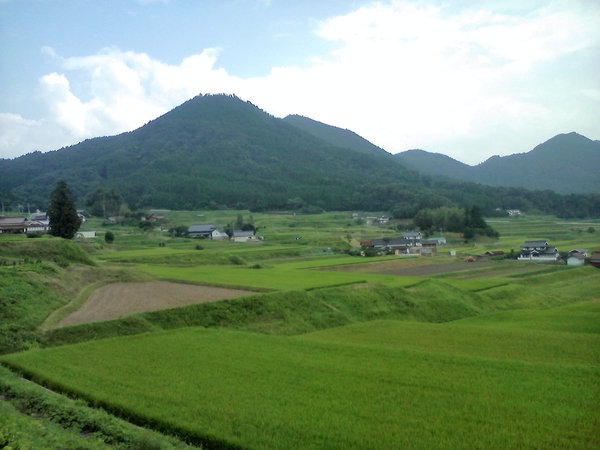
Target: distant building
(23,225)
(595,259)
(85,235)
(201,230)
(441,240)
(538,251)
(513,212)
(576,259)
(414,236)
(244,236)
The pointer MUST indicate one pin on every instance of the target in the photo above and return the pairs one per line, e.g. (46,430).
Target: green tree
(239,222)
(64,221)
(104,203)
(109,237)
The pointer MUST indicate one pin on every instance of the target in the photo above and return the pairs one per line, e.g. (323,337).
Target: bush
(109,237)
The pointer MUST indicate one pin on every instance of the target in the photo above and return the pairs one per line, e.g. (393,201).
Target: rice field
(332,351)
(383,384)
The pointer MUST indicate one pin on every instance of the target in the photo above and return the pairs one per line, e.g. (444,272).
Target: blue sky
(467,79)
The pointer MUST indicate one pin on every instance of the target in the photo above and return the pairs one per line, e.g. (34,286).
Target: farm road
(119,299)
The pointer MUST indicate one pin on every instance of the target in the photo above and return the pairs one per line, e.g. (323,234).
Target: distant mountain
(567,163)
(435,164)
(213,151)
(335,136)
(217,151)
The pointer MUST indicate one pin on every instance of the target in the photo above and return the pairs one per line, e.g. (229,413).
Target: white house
(576,259)
(219,234)
(414,236)
(538,251)
(85,235)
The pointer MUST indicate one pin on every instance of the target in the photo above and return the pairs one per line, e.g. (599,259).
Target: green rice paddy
(383,384)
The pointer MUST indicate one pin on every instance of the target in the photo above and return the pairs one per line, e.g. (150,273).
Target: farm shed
(576,259)
(244,236)
(85,234)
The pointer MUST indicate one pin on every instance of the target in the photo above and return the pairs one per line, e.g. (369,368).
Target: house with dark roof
(23,225)
(538,251)
(13,224)
(414,236)
(201,230)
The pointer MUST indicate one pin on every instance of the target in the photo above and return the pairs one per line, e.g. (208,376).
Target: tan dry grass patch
(114,300)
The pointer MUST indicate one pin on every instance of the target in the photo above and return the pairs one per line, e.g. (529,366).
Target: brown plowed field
(119,299)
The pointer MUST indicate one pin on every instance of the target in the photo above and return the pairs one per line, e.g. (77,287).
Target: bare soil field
(119,299)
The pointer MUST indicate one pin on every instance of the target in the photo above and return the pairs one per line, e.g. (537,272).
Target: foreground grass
(383,384)
(33,418)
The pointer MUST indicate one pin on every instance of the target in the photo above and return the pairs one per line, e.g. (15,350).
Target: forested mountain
(567,163)
(334,135)
(213,151)
(435,164)
(218,151)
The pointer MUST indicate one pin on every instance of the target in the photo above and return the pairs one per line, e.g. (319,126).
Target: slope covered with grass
(382,384)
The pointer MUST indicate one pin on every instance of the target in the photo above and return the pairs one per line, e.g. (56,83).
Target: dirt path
(119,299)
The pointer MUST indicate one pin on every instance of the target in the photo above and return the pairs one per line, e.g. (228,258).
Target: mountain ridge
(566,163)
(218,151)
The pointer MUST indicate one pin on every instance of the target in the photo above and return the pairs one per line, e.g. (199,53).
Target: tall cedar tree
(64,221)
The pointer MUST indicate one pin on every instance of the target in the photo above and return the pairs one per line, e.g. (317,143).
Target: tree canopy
(64,221)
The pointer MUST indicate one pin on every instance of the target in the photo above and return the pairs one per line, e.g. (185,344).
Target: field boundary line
(347,283)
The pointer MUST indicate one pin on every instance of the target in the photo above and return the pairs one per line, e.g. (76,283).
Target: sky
(469,79)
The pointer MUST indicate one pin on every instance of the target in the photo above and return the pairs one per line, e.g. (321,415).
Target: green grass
(33,293)
(500,356)
(32,417)
(382,384)
(45,248)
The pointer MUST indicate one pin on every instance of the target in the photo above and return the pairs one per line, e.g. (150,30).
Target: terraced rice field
(120,299)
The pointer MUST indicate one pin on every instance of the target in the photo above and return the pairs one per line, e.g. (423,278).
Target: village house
(402,245)
(414,236)
(13,224)
(575,259)
(538,251)
(207,231)
(23,225)
(244,236)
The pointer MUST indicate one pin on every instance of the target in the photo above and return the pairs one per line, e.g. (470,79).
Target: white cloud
(403,75)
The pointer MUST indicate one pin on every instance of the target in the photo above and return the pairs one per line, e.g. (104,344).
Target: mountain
(435,164)
(217,151)
(567,163)
(211,151)
(335,136)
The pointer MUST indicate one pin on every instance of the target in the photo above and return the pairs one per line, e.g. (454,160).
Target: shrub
(109,237)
